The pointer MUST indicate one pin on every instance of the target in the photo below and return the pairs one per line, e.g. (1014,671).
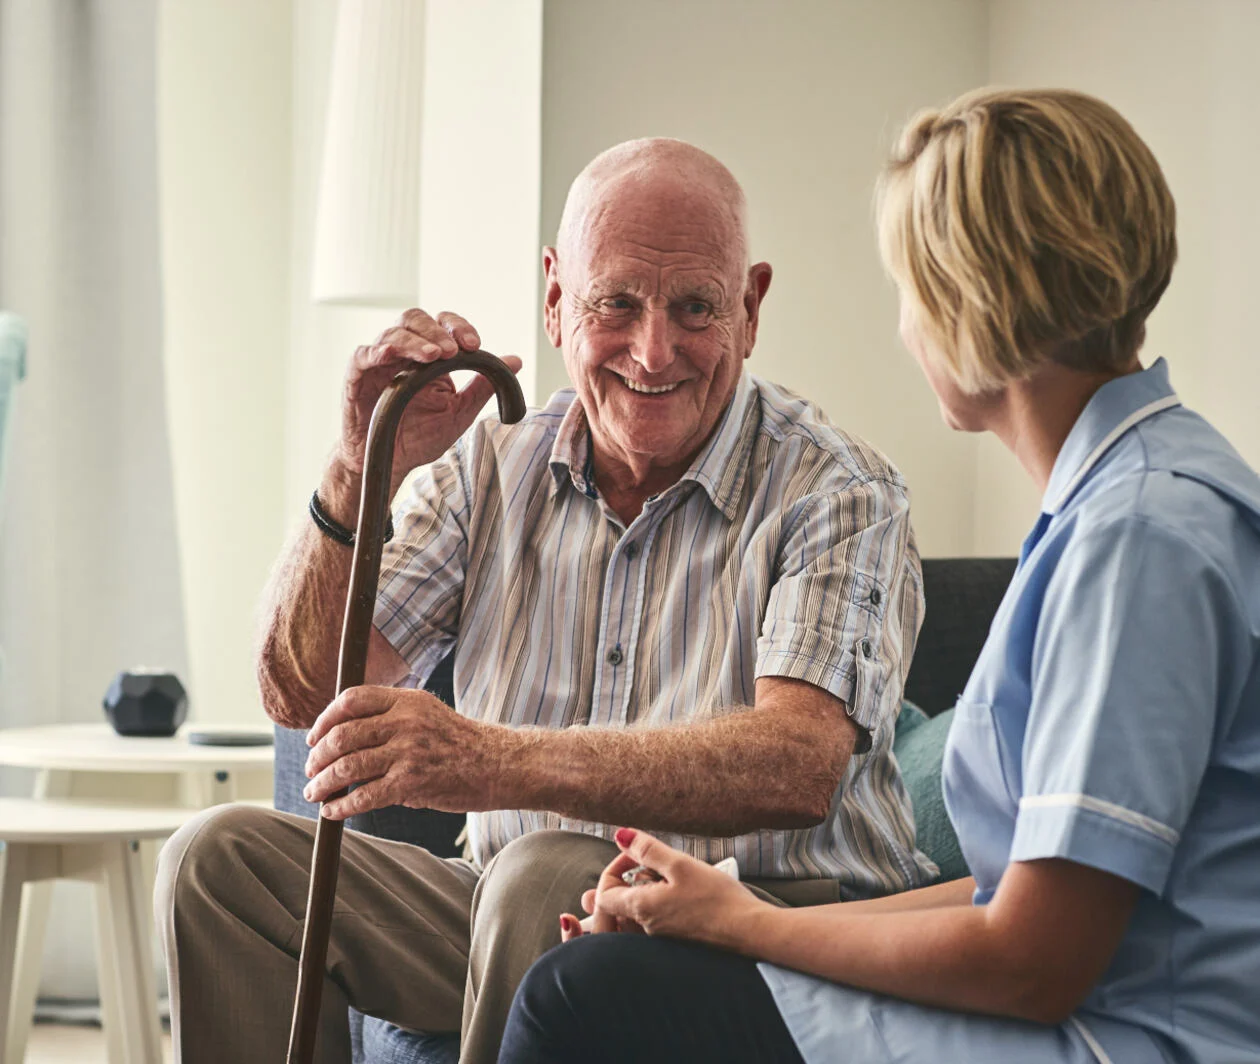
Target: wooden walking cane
(352,662)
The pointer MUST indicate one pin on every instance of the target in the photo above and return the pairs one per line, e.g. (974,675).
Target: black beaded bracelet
(335,529)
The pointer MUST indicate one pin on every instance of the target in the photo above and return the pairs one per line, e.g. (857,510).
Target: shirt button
(632,551)
(876,597)
(615,657)
(866,648)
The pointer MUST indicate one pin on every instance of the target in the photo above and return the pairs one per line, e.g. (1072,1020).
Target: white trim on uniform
(1095,1046)
(1167,403)
(1107,809)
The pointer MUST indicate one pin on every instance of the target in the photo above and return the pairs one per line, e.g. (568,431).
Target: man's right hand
(436,417)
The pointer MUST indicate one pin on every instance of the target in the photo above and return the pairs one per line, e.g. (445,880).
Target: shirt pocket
(979,768)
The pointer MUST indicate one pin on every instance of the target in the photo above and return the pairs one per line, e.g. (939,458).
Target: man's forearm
(303,609)
(749,770)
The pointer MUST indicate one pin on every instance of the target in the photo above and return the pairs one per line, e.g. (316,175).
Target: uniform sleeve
(420,591)
(1134,639)
(847,601)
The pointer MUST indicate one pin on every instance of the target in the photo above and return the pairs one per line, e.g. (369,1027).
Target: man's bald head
(650,297)
(654,168)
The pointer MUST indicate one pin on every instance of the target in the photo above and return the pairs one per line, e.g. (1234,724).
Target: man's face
(655,314)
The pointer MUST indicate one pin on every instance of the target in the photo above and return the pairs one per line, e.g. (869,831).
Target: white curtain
(89,580)
(89,575)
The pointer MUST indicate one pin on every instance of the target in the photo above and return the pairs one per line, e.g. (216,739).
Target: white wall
(224,158)
(801,100)
(1184,73)
(321,338)
(478,204)
(479,191)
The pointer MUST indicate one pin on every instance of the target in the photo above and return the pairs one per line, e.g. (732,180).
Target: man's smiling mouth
(648,389)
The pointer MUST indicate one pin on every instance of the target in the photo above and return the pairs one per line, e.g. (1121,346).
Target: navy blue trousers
(630,999)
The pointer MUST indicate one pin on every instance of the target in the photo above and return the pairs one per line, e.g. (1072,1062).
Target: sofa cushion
(920,748)
(962,596)
(383,1043)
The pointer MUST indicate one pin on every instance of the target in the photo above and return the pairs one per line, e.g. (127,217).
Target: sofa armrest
(290,773)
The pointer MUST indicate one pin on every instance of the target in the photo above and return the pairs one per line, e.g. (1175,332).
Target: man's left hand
(400,747)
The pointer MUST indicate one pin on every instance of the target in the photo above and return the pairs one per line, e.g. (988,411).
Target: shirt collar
(1115,408)
(718,468)
(571,452)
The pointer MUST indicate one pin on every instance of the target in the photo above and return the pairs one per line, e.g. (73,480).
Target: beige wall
(1184,73)
(479,246)
(224,121)
(254,368)
(800,99)
(478,204)
(321,338)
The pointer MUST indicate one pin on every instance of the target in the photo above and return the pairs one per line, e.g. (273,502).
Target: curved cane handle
(365,570)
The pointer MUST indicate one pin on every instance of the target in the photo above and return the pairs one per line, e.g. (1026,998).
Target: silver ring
(639,876)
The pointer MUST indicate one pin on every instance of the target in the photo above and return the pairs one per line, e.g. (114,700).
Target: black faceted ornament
(146,702)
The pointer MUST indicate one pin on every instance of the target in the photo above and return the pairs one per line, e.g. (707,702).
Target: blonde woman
(1103,770)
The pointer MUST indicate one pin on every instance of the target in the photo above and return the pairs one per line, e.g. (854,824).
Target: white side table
(208,775)
(47,840)
(61,750)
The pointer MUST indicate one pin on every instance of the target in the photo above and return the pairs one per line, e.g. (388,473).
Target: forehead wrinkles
(675,259)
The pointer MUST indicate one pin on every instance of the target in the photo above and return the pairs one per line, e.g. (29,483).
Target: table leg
(128,990)
(12,880)
(32,930)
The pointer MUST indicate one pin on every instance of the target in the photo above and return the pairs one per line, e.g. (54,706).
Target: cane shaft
(356,630)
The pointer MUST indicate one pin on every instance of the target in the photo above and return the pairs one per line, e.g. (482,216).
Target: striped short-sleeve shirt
(785,550)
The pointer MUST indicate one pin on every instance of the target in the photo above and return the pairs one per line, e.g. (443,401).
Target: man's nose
(653,348)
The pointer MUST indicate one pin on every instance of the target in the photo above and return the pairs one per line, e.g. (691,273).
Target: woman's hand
(692,900)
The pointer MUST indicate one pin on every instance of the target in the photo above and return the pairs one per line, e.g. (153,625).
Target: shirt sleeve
(847,601)
(420,592)
(1132,643)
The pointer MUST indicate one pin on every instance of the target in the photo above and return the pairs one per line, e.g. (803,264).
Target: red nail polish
(564,923)
(624,836)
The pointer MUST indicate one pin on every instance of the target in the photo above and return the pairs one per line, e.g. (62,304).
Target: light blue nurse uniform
(1112,719)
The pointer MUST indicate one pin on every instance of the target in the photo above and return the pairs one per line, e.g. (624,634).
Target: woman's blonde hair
(1026,226)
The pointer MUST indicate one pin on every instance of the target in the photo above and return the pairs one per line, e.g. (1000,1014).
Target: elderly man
(678,599)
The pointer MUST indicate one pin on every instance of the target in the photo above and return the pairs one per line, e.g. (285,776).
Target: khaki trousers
(420,941)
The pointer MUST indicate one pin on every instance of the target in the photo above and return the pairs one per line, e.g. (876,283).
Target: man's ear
(551,295)
(758,285)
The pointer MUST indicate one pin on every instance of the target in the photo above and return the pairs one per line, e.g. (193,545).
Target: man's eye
(693,313)
(617,303)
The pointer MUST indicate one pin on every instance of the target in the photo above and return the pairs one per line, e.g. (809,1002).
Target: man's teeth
(648,389)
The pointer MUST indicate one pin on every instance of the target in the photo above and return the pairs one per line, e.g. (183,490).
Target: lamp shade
(367,238)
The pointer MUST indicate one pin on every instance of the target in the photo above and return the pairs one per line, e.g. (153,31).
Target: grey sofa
(962,596)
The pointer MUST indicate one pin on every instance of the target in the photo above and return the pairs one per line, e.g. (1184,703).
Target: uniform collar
(718,468)
(1113,410)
